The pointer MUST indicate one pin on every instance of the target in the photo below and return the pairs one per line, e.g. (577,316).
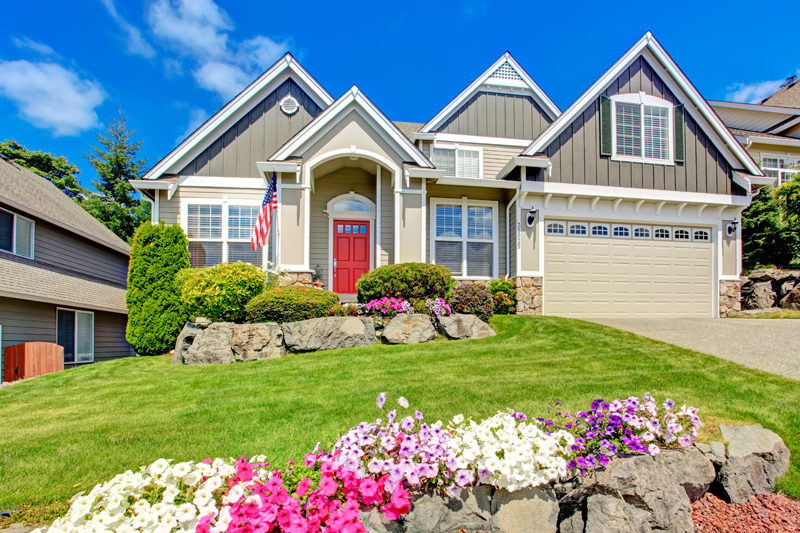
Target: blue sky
(172,63)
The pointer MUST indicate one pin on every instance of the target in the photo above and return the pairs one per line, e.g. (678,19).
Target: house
(769,130)
(62,273)
(626,204)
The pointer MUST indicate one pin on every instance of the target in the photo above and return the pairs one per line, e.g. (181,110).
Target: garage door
(588,277)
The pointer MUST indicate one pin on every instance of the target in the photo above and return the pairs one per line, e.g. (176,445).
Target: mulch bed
(765,513)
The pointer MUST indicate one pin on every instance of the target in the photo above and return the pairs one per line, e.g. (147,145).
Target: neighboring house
(769,130)
(626,204)
(62,273)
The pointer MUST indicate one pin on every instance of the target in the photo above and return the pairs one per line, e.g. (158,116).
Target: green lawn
(783,313)
(61,433)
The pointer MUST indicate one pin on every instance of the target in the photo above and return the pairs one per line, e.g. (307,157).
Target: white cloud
(196,118)
(51,97)
(751,93)
(198,30)
(30,44)
(137,45)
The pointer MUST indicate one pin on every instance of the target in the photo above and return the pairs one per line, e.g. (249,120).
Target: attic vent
(289,105)
(506,72)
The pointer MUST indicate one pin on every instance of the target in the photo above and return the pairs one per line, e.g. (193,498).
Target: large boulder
(763,274)
(184,341)
(212,346)
(328,333)
(792,299)
(764,295)
(530,510)
(409,329)
(465,327)
(756,458)
(255,342)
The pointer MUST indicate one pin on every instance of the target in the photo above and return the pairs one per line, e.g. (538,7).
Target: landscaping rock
(718,449)
(610,514)
(792,300)
(256,342)
(465,327)
(530,510)
(211,346)
(756,458)
(763,296)
(185,340)
(328,333)
(409,329)
(763,274)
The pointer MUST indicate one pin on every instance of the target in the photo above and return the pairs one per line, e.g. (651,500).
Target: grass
(783,313)
(62,433)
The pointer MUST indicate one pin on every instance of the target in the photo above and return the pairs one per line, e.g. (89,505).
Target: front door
(351,244)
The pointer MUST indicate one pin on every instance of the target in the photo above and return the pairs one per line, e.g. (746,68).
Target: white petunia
(159,466)
(186,512)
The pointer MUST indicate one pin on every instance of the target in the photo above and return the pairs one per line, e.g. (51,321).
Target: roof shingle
(788,96)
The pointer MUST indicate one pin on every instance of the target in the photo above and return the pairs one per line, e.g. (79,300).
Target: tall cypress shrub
(155,312)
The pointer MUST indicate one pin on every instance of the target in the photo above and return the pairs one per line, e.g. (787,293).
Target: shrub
(221,292)
(409,281)
(155,312)
(472,300)
(504,292)
(291,304)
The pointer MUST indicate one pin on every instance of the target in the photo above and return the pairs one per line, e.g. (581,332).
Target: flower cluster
(388,307)
(438,307)
(508,452)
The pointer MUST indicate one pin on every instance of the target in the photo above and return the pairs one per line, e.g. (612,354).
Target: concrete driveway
(765,344)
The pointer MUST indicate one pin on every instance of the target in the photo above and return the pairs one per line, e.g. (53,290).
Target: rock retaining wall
(729,297)
(529,295)
(770,288)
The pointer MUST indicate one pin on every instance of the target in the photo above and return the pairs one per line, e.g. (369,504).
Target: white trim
(525,161)
(789,111)
(429,173)
(354,196)
(476,182)
(221,182)
(354,100)
(75,333)
(424,205)
(473,139)
(150,184)
(641,99)
(773,141)
(234,110)
(663,61)
(268,167)
(465,202)
(538,95)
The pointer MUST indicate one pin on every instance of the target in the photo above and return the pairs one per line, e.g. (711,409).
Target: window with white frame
(556,228)
(458,162)
(642,128)
(781,167)
(221,233)
(463,237)
(600,230)
(662,234)
(16,234)
(75,333)
(578,229)
(701,235)
(641,232)
(680,234)
(621,231)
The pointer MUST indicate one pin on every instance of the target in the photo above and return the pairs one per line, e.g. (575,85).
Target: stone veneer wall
(293,278)
(729,297)
(529,295)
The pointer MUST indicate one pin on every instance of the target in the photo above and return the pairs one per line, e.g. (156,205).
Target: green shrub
(407,280)
(221,292)
(155,312)
(504,296)
(472,300)
(291,304)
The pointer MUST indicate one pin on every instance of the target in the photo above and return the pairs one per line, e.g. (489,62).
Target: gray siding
(575,154)
(511,116)
(255,137)
(109,336)
(512,243)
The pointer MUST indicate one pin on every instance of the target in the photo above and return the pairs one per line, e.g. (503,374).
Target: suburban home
(62,273)
(627,204)
(769,130)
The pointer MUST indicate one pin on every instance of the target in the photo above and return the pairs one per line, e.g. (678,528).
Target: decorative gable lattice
(504,72)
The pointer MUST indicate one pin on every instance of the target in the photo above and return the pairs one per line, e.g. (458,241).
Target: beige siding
(529,244)
(255,137)
(292,213)
(170,209)
(495,158)
(730,252)
(411,228)
(757,150)
(387,219)
(575,154)
(489,114)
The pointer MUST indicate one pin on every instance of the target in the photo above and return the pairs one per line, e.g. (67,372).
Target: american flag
(261,229)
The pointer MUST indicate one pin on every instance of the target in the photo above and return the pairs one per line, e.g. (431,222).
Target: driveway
(765,344)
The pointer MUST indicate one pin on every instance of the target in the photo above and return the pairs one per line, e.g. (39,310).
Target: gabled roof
(408,128)
(649,42)
(242,103)
(756,117)
(786,96)
(35,196)
(356,100)
(505,73)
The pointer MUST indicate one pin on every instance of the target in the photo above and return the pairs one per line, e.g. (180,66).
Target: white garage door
(593,278)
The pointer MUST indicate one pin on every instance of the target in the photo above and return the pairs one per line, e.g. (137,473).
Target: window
(621,232)
(578,229)
(463,237)
(16,234)
(555,228)
(599,230)
(662,234)
(642,128)
(75,333)
(221,233)
(681,235)
(458,162)
(783,168)
(641,232)
(352,204)
(701,235)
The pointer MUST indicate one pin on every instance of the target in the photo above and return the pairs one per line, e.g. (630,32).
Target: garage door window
(600,230)
(641,232)
(662,234)
(577,229)
(681,235)
(702,235)
(621,232)
(463,237)
(556,228)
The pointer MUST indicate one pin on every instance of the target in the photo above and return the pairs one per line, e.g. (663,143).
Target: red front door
(350,254)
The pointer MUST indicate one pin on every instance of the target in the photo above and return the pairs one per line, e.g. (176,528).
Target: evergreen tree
(769,237)
(54,168)
(116,161)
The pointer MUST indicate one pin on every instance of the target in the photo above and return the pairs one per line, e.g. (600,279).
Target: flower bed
(376,465)
(388,307)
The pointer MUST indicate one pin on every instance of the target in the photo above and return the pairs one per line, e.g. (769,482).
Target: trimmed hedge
(409,281)
(221,292)
(291,304)
(472,300)
(155,312)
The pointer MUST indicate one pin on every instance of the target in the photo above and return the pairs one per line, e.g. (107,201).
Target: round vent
(289,105)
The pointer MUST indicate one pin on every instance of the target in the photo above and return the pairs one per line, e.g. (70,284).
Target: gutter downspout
(508,210)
